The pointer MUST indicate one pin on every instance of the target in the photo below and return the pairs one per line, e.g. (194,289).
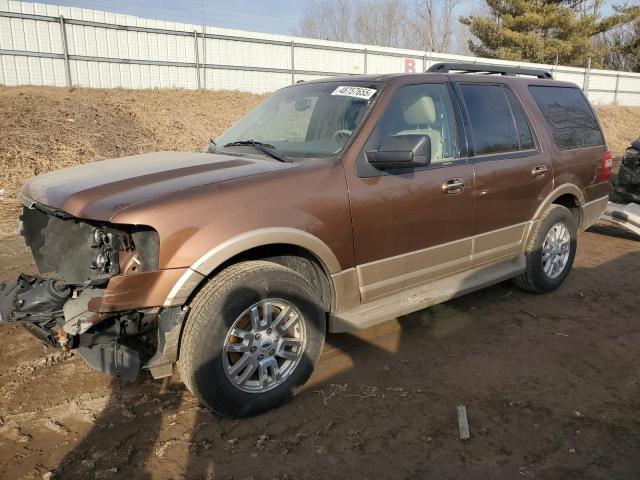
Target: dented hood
(99,190)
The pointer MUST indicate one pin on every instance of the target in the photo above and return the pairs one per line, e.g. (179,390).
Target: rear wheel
(252,337)
(550,254)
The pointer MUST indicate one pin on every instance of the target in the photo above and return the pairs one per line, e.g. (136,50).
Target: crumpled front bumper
(32,299)
(41,305)
(29,302)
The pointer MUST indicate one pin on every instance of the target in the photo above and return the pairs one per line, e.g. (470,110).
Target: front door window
(420,110)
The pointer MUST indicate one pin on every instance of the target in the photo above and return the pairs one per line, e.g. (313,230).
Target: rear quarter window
(569,116)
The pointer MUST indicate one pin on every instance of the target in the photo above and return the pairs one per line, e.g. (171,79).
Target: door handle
(539,171)
(453,186)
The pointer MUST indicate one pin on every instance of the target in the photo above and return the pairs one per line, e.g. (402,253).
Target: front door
(412,226)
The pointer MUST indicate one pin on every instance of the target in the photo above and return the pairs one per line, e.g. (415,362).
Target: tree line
(566,32)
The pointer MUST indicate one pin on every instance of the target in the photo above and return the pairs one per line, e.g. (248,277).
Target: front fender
(201,229)
(225,251)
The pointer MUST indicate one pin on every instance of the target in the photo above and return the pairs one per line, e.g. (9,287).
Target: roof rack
(487,69)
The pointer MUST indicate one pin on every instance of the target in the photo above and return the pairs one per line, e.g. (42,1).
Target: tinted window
(522,126)
(497,125)
(420,110)
(572,122)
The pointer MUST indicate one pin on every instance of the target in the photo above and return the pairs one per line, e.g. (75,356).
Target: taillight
(607,165)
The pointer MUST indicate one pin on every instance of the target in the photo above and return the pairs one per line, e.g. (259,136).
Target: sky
(272,16)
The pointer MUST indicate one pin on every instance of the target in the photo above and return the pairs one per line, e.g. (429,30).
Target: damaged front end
(626,184)
(70,306)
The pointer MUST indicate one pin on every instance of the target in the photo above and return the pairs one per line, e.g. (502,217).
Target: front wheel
(550,253)
(252,337)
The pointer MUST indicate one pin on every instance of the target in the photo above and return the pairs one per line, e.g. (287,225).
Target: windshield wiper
(265,148)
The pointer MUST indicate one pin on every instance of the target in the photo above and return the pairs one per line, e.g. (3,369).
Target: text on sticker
(359,92)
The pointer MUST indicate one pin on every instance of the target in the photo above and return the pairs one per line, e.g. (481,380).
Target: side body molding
(222,252)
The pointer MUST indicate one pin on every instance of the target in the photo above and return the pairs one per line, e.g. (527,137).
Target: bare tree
(462,38)
(380,22)
(326,20)
(423,25)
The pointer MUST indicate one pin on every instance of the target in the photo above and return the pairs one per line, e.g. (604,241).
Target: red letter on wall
(409,65)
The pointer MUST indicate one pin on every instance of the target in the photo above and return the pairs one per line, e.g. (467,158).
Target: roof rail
(487,69)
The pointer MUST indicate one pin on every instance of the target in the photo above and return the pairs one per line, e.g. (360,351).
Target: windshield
(306,120)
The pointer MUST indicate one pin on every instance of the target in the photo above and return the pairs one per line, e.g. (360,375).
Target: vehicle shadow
(613,231)
(383,403)
(124,435)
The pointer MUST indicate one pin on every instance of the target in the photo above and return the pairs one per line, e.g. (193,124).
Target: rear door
(513,174)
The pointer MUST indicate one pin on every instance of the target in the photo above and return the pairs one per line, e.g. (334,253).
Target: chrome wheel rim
(555,250)
(264,345)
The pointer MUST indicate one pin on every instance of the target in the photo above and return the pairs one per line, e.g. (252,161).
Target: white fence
(51,45)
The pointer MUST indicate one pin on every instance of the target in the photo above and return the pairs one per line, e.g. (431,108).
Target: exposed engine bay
(76,259)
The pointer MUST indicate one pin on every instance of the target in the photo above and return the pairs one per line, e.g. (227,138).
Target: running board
(424,296)
(627,216)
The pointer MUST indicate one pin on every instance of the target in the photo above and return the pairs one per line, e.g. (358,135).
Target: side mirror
(401,151)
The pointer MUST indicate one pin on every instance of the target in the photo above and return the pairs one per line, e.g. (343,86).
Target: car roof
(456,77)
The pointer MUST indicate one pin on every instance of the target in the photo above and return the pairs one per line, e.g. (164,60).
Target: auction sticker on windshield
(359,92)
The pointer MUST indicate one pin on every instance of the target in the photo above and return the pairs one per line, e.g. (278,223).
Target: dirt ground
(551,385)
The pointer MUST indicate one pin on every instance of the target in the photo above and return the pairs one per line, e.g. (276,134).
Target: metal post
(587,74)
(615,92)
(195,45)
(293,63)
(204,55)
(65,51)
(365,61)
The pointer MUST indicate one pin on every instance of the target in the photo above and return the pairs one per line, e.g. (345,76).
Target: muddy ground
(551,384)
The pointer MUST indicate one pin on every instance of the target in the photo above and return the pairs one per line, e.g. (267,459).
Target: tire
(534,278)
(208,350)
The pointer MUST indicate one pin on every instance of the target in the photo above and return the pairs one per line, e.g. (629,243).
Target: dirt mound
(46,128)
(621,125)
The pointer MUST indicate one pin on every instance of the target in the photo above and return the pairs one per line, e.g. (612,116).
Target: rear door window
(569,116)
(498,124)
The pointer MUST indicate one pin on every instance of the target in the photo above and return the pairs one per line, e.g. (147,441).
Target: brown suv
(332,206)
